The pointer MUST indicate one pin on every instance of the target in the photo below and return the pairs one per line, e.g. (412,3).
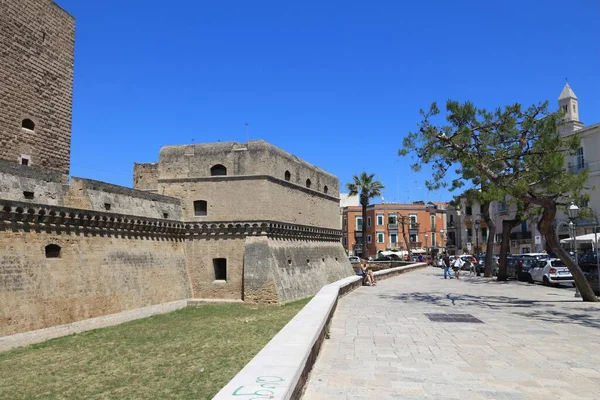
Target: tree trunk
(406,241)
(545,227)
(365,252)
(507,227)
(489,250)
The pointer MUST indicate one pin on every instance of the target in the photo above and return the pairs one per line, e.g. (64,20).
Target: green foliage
(366,187)
(510,151)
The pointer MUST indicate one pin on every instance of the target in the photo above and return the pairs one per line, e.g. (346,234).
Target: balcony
(520,235)
(416,245)
(393,227)
(433,228)
(357,235)
(451,225)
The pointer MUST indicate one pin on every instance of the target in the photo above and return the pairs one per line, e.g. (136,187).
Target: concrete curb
(280,370)
(41,335)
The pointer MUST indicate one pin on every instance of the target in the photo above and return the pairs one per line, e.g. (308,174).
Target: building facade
(424,227)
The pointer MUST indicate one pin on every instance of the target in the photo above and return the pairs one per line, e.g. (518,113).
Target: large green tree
(518,152)
(366,187)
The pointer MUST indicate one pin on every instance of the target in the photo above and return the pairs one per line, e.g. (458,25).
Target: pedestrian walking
(446,260)
(456,266)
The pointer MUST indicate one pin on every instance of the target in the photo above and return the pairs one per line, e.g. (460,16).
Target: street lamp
(573,212)
(426,236)
(477,225)
(443,237)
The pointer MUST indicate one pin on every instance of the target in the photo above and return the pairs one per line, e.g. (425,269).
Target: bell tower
(569,105)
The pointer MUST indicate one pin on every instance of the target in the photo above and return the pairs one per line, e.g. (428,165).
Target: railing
(393,226)
(433,228)
(416,245)
(451,225)
(414,226)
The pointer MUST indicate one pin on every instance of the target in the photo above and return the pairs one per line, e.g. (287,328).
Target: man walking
(447,273)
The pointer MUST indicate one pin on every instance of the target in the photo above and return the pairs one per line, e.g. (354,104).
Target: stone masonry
(37,42)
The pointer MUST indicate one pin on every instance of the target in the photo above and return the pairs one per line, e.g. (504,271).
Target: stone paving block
(393,351)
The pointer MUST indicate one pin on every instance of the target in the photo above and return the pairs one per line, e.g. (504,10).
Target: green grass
(187,354)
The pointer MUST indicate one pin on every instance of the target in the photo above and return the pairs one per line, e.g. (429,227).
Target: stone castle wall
(253,198)
(100,196)
(280,271)
(105,265)
(30,184)
(37,39)
(260,180)
(145,176)
(256,157)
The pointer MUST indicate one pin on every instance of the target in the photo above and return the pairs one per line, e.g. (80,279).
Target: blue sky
(337,83)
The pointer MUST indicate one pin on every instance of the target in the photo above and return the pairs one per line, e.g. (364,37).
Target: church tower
(568,104)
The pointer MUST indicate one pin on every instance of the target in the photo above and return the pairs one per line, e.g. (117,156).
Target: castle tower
(568,104)
(37,39)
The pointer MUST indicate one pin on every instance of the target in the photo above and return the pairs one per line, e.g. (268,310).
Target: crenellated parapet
(271,229)
(20,216)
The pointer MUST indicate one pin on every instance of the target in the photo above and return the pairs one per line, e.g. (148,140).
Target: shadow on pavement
(541,310)
(584,316)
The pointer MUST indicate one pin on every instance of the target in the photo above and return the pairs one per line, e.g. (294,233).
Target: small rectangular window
(369,238)
(220,266)
(107,206)
(200,208)
(24,161)
(28,195)
(369,222)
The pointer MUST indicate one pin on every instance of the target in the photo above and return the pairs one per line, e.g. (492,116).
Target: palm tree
(366,187)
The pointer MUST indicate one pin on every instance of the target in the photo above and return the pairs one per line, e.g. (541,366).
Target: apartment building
(424,226)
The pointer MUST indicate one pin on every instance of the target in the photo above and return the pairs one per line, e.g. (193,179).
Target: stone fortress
(233,221)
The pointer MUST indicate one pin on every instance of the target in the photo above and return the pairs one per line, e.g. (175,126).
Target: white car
(550,272)
(354,259)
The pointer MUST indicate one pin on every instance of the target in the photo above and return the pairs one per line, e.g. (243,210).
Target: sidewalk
(533,342)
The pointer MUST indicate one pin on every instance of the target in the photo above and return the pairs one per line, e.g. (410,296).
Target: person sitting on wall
(366,273)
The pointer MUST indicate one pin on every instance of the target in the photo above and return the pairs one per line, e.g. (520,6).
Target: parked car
(550,271)
(354,259)
(589,265)
(523,266)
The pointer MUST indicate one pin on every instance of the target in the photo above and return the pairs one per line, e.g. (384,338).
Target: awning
(418,251)
(588,238)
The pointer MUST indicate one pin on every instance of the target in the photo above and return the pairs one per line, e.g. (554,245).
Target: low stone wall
(281,368)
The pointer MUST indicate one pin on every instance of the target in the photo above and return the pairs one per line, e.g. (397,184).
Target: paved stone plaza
(533,342)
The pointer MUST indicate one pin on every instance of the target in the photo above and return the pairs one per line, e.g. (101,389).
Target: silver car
(550,272)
